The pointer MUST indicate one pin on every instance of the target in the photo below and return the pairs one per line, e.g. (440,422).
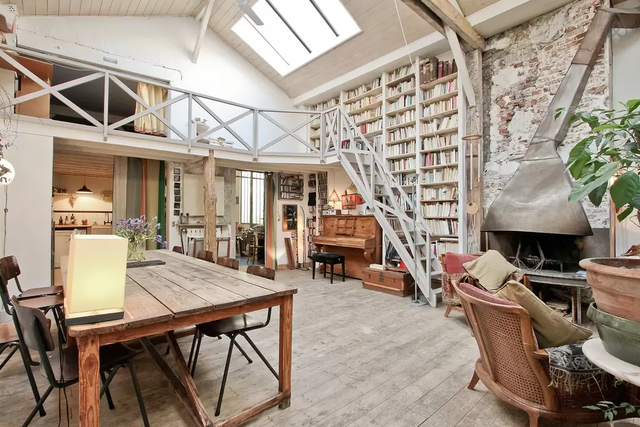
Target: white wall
(626,63)
(29,204)
(162,47)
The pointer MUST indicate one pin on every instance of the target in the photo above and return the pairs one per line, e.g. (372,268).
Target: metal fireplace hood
(536,198)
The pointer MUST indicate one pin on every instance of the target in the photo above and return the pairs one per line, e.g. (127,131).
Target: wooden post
(89,387)
(210,200)
(119,190)
(286,343)
(474,126)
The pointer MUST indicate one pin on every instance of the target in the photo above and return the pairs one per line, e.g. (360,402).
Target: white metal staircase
(393,208)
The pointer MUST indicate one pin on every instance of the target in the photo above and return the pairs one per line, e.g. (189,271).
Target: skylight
(296,32)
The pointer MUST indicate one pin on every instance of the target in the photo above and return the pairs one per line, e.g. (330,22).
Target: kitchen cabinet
(62,241)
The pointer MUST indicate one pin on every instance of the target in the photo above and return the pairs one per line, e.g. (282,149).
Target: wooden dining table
(183,292)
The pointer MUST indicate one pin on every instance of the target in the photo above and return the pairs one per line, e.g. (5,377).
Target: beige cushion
(551,329)
(491,270)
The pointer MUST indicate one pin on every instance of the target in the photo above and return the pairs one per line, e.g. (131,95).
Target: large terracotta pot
(616,285)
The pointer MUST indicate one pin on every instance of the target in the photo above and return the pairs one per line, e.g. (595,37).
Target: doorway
(250,232)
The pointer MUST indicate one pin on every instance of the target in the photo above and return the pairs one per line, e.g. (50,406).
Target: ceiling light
(84,189)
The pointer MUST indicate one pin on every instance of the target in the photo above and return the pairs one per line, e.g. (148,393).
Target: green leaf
(632,104)
(609,415)
(593,408)
(596,195)
(605,127)
(581,188)
(558,113)
(625,188)
(621,216)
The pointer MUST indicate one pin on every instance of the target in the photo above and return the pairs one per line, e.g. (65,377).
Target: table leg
(286,342)
(89,386)
(579,305)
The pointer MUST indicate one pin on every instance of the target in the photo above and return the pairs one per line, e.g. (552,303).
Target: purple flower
(165,244)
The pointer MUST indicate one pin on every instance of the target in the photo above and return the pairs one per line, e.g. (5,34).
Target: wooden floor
(360,359)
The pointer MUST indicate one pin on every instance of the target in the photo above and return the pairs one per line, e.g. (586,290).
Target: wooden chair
(10,269)
(515,370)
(229,262)
(232,327)
(178,249)
(452,270)
(61,367)
(205,255)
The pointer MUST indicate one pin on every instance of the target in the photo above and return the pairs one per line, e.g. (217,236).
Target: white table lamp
(96,276)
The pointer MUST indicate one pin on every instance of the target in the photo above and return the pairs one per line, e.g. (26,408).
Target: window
(296,32)
(251,197)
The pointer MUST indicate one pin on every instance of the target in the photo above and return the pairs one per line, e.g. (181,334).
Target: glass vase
(136,251)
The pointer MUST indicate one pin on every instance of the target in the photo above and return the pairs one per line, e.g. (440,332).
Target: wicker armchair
(516,371)
(452,271)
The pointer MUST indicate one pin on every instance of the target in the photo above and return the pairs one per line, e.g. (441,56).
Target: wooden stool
(327,258)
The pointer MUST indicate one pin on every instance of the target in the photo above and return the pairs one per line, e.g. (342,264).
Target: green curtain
(162,215)
(134,187)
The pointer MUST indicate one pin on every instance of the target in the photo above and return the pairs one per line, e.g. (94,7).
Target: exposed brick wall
(522,70)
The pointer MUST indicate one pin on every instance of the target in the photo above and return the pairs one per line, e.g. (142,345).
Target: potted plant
(608,159)
(138,231)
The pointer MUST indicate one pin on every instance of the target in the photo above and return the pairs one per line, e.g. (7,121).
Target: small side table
(595,352)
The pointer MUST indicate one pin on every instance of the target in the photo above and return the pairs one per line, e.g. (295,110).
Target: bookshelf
(291,186)
(415,116)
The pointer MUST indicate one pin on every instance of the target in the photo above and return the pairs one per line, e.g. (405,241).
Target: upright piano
(357,237)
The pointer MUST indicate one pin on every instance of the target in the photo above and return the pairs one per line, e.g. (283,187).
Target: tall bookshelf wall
(413,117)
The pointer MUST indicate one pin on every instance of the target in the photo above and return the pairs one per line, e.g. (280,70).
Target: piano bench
(327,258)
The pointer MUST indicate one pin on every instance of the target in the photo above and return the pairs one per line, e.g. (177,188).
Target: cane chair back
(504,334)
(178,249)
(229,262)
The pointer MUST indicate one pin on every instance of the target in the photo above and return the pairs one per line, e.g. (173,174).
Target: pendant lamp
(84,189)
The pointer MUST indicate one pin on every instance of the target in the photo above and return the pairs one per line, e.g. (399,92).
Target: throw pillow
(551,329)
(491,270)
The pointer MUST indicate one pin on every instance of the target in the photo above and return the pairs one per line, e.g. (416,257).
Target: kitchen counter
(71,226)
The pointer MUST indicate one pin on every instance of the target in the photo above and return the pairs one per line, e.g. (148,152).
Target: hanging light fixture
(334,198)
(84,189)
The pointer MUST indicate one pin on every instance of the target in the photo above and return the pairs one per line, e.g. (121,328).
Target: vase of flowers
(138,231)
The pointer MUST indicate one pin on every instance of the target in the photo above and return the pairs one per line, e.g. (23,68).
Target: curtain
(162,214)
(134,187)
(152,95)
(270,258)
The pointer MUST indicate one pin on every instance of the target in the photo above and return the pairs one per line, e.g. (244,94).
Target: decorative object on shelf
(138,231)
(107,196)
(334,198)
(95,286)
(84,189)
(72,200)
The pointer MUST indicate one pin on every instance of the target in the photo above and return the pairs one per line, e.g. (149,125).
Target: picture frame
(176,178)
(289,217)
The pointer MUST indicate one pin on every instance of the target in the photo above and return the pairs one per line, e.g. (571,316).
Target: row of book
(440,209)
(441,106)
(402,164)
(400,72)
(406,178)
(440,175)
(440,89)
(365,115)
(326,105)
(402,148)
(442,193)
(403,101)
(402,87)
(361,103)
(349,144)
(443,227)
(371,126)
(438,124)
(398,119)
(401,133)
(442,247)
(439,141)
(364,88)
(433,69)
(440,158)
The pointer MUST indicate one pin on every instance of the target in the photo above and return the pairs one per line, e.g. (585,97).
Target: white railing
(252,139)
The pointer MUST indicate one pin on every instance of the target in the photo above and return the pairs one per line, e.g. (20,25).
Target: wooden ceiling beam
(425,13)
(455,19)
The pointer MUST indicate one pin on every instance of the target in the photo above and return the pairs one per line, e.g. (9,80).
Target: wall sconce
(95,279)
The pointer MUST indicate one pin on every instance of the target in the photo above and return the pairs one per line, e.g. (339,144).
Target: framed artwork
(289,217)
(176,178)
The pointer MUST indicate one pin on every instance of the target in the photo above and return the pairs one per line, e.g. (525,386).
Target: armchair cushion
(551,329)
(491,270)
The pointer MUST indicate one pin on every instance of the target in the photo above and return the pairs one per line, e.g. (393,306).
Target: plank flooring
(360,359)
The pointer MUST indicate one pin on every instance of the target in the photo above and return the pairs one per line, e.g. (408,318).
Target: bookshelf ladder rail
(389,202)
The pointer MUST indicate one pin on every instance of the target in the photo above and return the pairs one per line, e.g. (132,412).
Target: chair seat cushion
(39,292)
(491,270)
(229,325)
(551,329)
(328,257)
(110,356)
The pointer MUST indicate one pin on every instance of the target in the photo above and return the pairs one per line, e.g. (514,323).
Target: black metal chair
(61,368)
(8,341)
(232,327)
(10,269)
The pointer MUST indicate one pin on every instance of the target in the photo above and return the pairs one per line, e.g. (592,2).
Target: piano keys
(357,237)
